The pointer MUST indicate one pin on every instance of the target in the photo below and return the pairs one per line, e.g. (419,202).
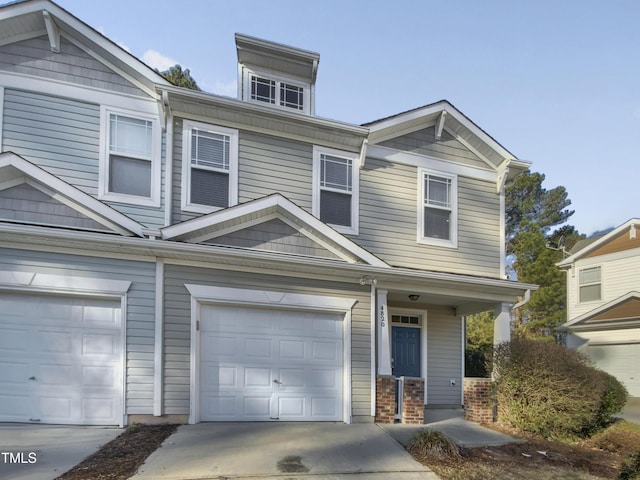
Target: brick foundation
(413,401)
(478,400)
(385,398)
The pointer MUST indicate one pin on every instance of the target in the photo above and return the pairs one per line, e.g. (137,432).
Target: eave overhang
(459,290)
(623,312)
(226,111)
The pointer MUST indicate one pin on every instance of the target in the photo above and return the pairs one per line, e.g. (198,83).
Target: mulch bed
(121,458)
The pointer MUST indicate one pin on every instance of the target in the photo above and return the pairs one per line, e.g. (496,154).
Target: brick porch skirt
(412,400)
(478,400)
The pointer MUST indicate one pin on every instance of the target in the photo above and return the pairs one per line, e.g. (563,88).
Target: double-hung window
(437,212)
(336,189)
(280,92)
(590,284)
(129,158)
(209,167)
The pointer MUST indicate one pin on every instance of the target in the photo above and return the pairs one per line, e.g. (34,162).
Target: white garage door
(621,361)
(60,360)
(259,364)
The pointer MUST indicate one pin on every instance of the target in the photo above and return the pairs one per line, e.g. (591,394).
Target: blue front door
(405,351)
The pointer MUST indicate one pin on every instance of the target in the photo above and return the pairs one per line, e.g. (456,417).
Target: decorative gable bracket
(53,32)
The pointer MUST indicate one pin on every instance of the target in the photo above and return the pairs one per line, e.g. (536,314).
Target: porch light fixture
(413,297)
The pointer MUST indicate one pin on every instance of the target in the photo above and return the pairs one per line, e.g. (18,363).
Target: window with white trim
(281,92)
(209,167)
(437,213)
(590,284)
(129,157)
(336,189)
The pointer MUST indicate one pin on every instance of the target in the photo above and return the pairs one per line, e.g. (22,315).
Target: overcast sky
(557,83)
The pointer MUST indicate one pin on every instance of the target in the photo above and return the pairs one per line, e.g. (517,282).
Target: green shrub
(630,468)
(430,443)
(552,391)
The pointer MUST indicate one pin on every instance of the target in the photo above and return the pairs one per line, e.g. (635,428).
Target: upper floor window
(281,92)
(437,215)
(590,285)
(336,189)
(129,158)
(209,167)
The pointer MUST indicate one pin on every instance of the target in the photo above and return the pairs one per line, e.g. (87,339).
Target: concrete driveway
(631,410)
(282,451)
(43,452)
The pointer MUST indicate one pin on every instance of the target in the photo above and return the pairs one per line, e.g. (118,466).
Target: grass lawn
(598,457)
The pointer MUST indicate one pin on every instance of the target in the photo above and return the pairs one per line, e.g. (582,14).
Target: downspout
(524,301)
(168,175)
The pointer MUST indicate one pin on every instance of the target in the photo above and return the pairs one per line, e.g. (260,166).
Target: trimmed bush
(630,468)
(552,391)
(430,443)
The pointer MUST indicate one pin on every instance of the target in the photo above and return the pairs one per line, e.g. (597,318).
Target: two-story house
(172,253)
(603,302)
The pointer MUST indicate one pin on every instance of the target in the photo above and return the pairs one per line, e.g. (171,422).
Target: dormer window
(276,91)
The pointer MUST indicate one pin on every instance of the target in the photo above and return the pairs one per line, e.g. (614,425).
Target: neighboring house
(603,302)
(168,252)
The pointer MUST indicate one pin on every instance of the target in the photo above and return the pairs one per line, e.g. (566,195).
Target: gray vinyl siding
(23,203)
(62,136)
(140,319)
(424,142)
(388,222)
(444,357)
(177,302)
(34,57)
(276,236)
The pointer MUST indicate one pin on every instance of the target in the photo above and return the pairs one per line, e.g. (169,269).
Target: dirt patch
(121,458)
(596,458)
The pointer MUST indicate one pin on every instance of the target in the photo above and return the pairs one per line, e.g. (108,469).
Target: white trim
(475,151)
(264,203)
(168,157)
(431,163)
(462,358)
(79,92)
(62,283)
(1,114)
(503,235)
(124,301)
(204,294)
(452,242)
(156,159)
(384,333)
(53,32)
(187,127)
(158,351)
(355,187)
(372,347)
(82,202)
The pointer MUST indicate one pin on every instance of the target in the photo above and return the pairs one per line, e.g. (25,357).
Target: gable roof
(34,18)
(15,170)
(623,312)
(445,116)
(624,237)
(216,224)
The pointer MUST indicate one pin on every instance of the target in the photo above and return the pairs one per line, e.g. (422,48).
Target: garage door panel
(620,361)
(293,361)
(64,356)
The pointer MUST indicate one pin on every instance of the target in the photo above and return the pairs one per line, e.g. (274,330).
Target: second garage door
(621,361)
(264,364)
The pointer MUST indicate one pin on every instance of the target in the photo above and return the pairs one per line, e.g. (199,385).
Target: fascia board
(405,278)
(68,191)
(566,263)
(600,309)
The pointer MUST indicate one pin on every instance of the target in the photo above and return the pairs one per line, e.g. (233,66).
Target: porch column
(384,346)
(502,324)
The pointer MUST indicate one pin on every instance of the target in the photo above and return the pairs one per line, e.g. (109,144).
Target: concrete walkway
(451,422)
(44,452)
(295,450)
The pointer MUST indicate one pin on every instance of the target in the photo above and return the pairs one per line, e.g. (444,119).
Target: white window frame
(104,158)
(580,285)
(355,187)
(279,79)
(452,242)
(187,127)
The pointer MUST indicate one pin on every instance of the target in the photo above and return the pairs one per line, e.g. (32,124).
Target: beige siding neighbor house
(603,302)
(171,253)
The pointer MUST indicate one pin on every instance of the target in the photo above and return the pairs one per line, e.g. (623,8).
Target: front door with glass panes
(405,345)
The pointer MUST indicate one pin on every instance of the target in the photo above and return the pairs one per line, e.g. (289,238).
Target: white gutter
(524,301)
(168,174)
